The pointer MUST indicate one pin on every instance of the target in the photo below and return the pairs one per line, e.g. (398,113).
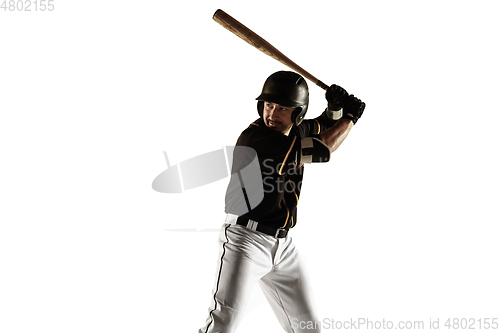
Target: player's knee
(223,319)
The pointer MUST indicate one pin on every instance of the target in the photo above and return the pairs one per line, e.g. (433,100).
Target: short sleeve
(314,127)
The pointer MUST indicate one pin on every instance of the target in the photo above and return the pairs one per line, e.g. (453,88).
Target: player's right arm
(335,135)
(349,108)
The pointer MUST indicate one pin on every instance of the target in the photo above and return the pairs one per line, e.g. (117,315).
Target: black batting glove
(335,95)
(353,108)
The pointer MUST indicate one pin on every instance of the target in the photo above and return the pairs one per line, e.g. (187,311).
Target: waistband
(256,226)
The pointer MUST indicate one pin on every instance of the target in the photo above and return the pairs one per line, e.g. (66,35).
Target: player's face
(277,117)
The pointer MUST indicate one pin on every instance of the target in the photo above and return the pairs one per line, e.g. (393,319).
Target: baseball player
(255,242)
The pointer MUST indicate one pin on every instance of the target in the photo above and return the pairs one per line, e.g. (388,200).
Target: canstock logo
(245,190)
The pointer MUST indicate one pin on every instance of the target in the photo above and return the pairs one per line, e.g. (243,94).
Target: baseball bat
(261,44)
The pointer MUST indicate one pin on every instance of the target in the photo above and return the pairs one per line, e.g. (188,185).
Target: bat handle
(321,85)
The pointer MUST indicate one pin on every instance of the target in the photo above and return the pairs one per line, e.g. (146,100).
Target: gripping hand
(353,108)
(335,95)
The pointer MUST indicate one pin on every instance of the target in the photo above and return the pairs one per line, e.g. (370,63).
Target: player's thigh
(243,262)
(289,291)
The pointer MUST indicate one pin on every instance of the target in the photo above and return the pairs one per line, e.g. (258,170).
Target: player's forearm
(335,135)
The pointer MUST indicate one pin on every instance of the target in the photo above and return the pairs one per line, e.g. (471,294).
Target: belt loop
(252,225)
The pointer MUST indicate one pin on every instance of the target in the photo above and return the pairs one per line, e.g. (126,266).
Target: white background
(401,225)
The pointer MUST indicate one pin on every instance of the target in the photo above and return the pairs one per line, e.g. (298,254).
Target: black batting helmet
(287,89)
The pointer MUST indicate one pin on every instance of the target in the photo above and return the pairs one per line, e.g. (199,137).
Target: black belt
(250,224)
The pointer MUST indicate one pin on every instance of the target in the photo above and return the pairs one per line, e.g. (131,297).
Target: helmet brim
(278,100)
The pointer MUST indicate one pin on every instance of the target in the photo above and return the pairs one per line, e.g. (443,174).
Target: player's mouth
(273,123)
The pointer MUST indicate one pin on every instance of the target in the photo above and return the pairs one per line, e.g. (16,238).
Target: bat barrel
(231,24)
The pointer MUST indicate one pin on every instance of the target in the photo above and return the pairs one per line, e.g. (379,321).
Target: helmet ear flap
(299,114)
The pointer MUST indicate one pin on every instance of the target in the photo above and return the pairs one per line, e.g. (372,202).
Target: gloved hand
(335,95)
(353,108)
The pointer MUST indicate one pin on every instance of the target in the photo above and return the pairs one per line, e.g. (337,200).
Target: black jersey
(281,172)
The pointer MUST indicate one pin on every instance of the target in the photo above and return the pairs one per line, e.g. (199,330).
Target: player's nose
(272,110)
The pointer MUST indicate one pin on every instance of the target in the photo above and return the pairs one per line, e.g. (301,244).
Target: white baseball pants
(248,257)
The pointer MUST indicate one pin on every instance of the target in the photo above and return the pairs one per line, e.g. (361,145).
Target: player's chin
(274,128)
